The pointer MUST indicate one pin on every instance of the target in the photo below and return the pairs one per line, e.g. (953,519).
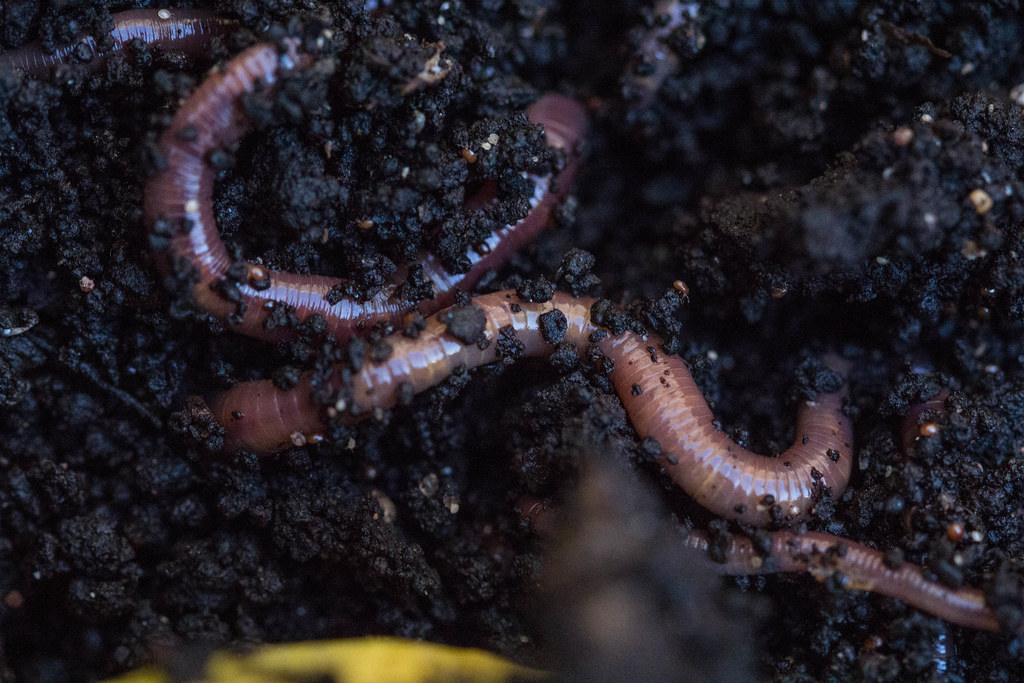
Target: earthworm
(657,390)
(179,212)
(662,402)
(659,394)
(861,568)
(181,30)
(822,556)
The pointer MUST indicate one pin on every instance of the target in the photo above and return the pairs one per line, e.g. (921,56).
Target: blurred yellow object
(357,660)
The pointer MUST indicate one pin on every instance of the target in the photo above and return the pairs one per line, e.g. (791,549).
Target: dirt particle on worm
(467,324)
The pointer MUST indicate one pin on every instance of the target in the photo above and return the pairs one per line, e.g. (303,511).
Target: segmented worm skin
(180,196)
(822,556)
(187,31)
(863,568)
(565,124)
(657,390)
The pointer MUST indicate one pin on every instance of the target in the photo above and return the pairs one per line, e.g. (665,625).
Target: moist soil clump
(836,176)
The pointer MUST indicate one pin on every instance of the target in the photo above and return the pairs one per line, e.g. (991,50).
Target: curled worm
(179,211)
(861,568)
(657,390)
(187,31)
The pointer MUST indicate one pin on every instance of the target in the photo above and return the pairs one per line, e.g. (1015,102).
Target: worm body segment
(180,198)
(187,31)
(657,391)
(669,407)
(863,568)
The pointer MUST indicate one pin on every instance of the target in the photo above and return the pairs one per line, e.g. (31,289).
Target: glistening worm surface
(885,530)
(659,394)
(855,566)
(662,402)
(187,31)
(861,568)
(179,210)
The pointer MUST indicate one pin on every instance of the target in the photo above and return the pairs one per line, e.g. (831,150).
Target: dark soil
(807,168)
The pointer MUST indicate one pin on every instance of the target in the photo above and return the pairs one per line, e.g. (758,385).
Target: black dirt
(840,176)
(553,326)
(466,323)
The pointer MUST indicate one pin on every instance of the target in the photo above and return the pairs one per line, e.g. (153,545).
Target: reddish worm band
(823,556)
(179,201)
(659,395)
(186,31)
(863,568)
(657,390)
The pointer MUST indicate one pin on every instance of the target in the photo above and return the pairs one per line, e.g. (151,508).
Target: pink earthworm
(179,211)
(823,556)
(657,390)
(182,30)
(860,567)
